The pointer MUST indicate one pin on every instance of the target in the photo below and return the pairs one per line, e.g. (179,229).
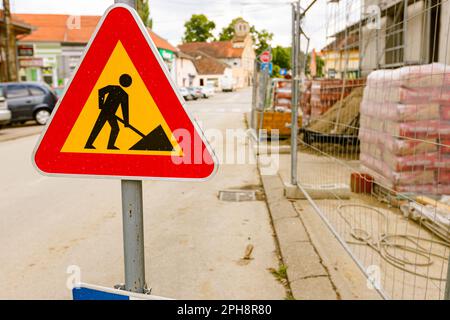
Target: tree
(281,56)
(228,32)
(198,29)
(281,59)
(261,38)
(143,9)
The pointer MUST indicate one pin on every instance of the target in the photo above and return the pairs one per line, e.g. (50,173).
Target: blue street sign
(283,72)
(267,66)
(92,292)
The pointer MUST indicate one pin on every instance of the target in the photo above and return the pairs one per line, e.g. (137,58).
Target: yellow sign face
(120,95)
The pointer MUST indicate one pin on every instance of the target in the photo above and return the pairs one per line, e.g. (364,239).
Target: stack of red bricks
(326,92)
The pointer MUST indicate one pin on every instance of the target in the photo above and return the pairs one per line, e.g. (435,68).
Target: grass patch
(280,274)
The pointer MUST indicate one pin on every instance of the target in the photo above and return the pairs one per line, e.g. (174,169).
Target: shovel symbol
(110,98)
(156,140)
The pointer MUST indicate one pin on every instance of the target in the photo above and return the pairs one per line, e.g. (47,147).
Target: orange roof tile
(216,49)
(161,42)
(206,64)
(56,28)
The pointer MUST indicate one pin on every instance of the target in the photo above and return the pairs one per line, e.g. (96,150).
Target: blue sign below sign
(267,66)
(92,292)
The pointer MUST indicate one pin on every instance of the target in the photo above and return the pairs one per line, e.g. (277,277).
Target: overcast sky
(169,16)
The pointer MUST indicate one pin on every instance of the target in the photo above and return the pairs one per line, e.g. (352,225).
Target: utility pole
(10,47)
(133,225)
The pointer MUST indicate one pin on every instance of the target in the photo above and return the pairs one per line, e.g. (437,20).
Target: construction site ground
(345,279)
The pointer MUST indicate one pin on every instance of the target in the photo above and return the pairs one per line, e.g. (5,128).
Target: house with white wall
(238,54)
(186,73)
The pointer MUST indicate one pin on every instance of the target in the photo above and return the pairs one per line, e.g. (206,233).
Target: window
(394,35)
(1,92)
(36,91)
(17,91)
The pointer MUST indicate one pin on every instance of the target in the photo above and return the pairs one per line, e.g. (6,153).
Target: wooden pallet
(273,120)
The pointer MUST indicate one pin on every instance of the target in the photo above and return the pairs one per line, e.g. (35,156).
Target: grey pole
(254,96)
(447,284)
(131,3)
(133,235)
(133,225)
(294,102)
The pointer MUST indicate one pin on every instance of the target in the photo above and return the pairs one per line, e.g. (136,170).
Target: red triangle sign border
(121,22)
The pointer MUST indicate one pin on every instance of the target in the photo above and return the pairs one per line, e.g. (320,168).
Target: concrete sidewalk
(318,267)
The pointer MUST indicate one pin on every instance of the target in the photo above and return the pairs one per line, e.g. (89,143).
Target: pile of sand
(348,122)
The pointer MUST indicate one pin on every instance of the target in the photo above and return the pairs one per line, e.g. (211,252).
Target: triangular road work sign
(121,115)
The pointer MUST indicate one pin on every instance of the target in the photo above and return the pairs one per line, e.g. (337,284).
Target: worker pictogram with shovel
(109,100)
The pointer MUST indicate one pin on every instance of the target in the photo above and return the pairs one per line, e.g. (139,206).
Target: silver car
(5,113)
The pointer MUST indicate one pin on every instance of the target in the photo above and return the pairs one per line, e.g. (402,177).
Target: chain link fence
(374,155)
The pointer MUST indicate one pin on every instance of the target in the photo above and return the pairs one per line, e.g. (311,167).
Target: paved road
(193,241)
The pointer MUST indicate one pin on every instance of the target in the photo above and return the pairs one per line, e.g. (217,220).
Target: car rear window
(17,91)
(36,91)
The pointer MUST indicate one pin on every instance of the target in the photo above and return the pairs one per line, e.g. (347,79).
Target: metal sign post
(133,225)
(133,235)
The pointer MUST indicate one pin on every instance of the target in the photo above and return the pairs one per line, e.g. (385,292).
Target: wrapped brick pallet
(405,128)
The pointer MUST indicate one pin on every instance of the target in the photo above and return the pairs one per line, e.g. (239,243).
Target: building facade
(389,34)
(58,42)
(408,33)
(341,56)
(186,73)
(238,54)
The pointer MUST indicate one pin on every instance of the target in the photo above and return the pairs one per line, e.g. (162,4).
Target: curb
(307,277)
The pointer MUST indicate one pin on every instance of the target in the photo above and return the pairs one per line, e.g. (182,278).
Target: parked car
(227,84)
(206,91)
(5,113)
(29,101)
(195,92)
(186,94)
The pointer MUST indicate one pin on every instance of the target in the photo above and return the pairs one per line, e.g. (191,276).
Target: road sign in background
(268,66)
(283,71)
(265,56)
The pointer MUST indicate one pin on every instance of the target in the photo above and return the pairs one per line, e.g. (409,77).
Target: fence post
(294,89)
(447,283)
(253,117)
